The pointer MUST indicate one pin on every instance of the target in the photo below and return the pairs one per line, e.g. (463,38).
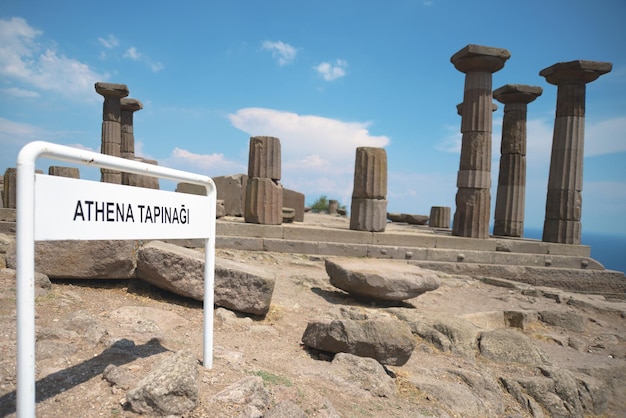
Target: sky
(325,77)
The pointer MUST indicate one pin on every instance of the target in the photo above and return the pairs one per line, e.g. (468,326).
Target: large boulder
(388,341)
(377,279)
(82,259)
(180,270)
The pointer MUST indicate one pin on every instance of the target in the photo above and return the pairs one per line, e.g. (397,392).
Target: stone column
(473,197)
(111,126)
(565,182)
(264,193)
(128,107)
(368,211)
(510,196)
(439,217)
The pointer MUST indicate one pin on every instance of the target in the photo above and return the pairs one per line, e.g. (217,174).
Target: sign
(67,208)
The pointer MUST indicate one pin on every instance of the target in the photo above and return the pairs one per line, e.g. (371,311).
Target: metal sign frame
(25,249)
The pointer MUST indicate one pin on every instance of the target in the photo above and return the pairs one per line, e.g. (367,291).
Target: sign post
(88,210)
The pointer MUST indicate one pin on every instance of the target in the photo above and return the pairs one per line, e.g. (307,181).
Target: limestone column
(368,211)
(128,107)
(473,197)
(264,193)
(111,126)
(565,182)
(510,196)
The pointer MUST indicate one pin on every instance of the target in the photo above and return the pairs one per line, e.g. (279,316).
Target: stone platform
(534,262)
(537,263)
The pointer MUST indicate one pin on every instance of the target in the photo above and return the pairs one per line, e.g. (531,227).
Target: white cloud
(605,137)
(317,152)
(330,71)
(24,60)
(109,42)
(307,135)
(133,54)
(22,93)
(208,164)
(284,53)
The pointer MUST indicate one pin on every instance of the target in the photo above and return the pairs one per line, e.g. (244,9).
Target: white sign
(67,208)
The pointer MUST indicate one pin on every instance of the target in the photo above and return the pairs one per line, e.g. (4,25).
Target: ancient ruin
(264,193)
(368,211)
(473,198)
(565,182)
(510,196)
(111,125)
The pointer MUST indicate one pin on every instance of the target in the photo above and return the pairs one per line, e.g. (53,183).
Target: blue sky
(324,77)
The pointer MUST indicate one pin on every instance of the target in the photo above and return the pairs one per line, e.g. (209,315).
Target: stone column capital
(111,89)
(517,93)
(130,105)
(474,58)
(575,72)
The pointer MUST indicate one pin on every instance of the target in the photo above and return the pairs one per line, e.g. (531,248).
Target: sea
(608,249)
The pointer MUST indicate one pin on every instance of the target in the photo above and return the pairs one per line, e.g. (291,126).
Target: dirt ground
(77,321)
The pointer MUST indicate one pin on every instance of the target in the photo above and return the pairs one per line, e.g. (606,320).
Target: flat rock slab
(388,341)
(380,279)
(180,270)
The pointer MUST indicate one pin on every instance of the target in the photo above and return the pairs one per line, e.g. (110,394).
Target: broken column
(111,126)
(368,211)
(473,198)
(264,193)
(510,195)
(565,182)
(439,217)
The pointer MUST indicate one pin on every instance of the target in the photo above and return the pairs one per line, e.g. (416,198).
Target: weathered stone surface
(370,173)
(447,333)
(285,409)
(181,270)
(295,200)
(247,391)
(71,172)
(171,388)
(111,89)
(570,321)
(509,345)
(439,217)
(364,373)
(411,219)
(388,341)
(10,188)
(42,282)
(264,202)
(82,259)
(368,215)
(232,190)
(191,188)
(378,279)
(264,160)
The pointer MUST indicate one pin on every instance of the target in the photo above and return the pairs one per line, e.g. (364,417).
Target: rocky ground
(484,348)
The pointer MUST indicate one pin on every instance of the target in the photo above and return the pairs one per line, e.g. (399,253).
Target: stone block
(289,246)
(240,243)
(344,250)
(404,239)
(370,173)
(295,200)
(307,233)
(138,180)
(191,188)
(264,159)
(264,202)
(368,215)
(71,172)
(232,190)
(240,229)
(10,188)
(106,259)
(439,217)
